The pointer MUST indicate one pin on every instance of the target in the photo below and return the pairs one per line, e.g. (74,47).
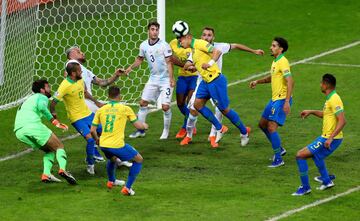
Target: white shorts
(152,92)
(193,97)
(91,105)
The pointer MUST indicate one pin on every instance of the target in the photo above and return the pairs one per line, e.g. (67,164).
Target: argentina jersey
(88,77)
(224,48)
(155,55)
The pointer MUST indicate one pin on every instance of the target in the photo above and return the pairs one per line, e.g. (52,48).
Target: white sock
(167,119)
(218,116)
(190,124)
(143,111)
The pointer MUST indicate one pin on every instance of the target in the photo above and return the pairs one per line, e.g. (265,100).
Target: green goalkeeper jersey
(32,110)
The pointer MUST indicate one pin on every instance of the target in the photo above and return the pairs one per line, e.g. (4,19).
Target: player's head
(185,40)
(114,93)
(279,45)
(153,30)
(208,34)
(73,69)
(74,53)
(41,86)
(328,82)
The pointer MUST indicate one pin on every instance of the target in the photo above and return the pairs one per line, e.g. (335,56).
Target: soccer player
(278,108)
(185,84)
(29,129)
(208,34)
(72,91)
(333,123)
(74,53)
(213,85)
(161,82)
(113,116)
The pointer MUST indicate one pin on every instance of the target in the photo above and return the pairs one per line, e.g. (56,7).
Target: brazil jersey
(72,93)
(32,110)
(182,54)
(200,55)
(280,69)
(113,117)
(333,106)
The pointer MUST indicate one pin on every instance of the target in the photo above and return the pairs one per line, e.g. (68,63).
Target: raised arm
(136,64)
(264,80)
(246,48)
(305,113)
(112,79)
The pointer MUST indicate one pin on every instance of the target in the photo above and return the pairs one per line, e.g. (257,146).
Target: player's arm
(176,61)
(341,121)
(215,55)
(246,48)
(189,64)
(90,97)
(42,107)
(290,86)
(138,60)
(94,133)
(264,80)
(171,71)
(305,113)
(112,79)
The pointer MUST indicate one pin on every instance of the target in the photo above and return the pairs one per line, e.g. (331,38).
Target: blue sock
(275,144)
(90,149)
(206,112)
(235,119)
(320,164)
(185,111)
(303,169)
(110,169)
(134,171)
(96,152)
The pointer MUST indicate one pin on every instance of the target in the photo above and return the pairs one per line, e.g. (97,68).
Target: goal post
(109,32)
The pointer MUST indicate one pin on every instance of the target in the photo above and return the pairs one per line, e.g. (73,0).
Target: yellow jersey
(72,93)
(333,106)
(200,55)
(280,70)
(113,117)
(182,54)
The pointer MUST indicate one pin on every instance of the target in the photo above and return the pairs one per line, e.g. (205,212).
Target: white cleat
(137,134)
(119,183)
(326,186)
(50,179)
(164,135)
(244,139)
(91,169)
(220,133)
(99,159)
(127,192)
(124,163)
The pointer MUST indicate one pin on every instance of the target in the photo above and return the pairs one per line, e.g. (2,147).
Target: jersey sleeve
(285,68)
(203,46)
(130,114)
(142,50)
(223,47)
(167,51)
(60,93)
(42,106)
(337,106)
(96,120)
(190,57)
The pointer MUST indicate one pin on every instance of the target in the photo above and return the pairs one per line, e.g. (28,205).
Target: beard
(47,94)
(78,77)
(82,60)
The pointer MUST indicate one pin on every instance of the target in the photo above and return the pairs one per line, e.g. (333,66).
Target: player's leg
(263,122)
(301,160)
(181,95)
(212,134)
(97,156)
(165,97)
(54,147)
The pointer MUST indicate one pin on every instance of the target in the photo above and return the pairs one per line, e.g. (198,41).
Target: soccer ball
(180,28)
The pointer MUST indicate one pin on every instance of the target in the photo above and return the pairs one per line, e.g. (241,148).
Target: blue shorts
(217,90)
(318,149)
(83,125)
(274,111)
(185,84)
(124,153)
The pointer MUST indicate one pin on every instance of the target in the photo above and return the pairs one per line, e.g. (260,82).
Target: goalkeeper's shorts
(35,135)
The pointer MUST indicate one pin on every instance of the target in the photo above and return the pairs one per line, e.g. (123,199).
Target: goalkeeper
(30,130)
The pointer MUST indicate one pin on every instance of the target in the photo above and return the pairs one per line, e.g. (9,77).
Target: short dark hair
(38,84)
(282,43)
(209,29)
(153,23)
(114,91)
(71,67)
(329,79)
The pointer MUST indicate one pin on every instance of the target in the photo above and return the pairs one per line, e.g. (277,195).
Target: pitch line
(316,203)
(253,76)
(333,64)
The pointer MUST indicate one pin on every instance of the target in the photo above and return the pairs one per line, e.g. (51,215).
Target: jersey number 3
(152,58)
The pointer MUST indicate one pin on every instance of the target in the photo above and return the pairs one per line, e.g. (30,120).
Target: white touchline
(334,64)
(316,203)
(229,85)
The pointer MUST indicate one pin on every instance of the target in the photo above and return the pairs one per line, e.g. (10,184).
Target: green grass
(230,183)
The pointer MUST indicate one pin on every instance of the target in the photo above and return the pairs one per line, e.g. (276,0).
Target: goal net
(109,32)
